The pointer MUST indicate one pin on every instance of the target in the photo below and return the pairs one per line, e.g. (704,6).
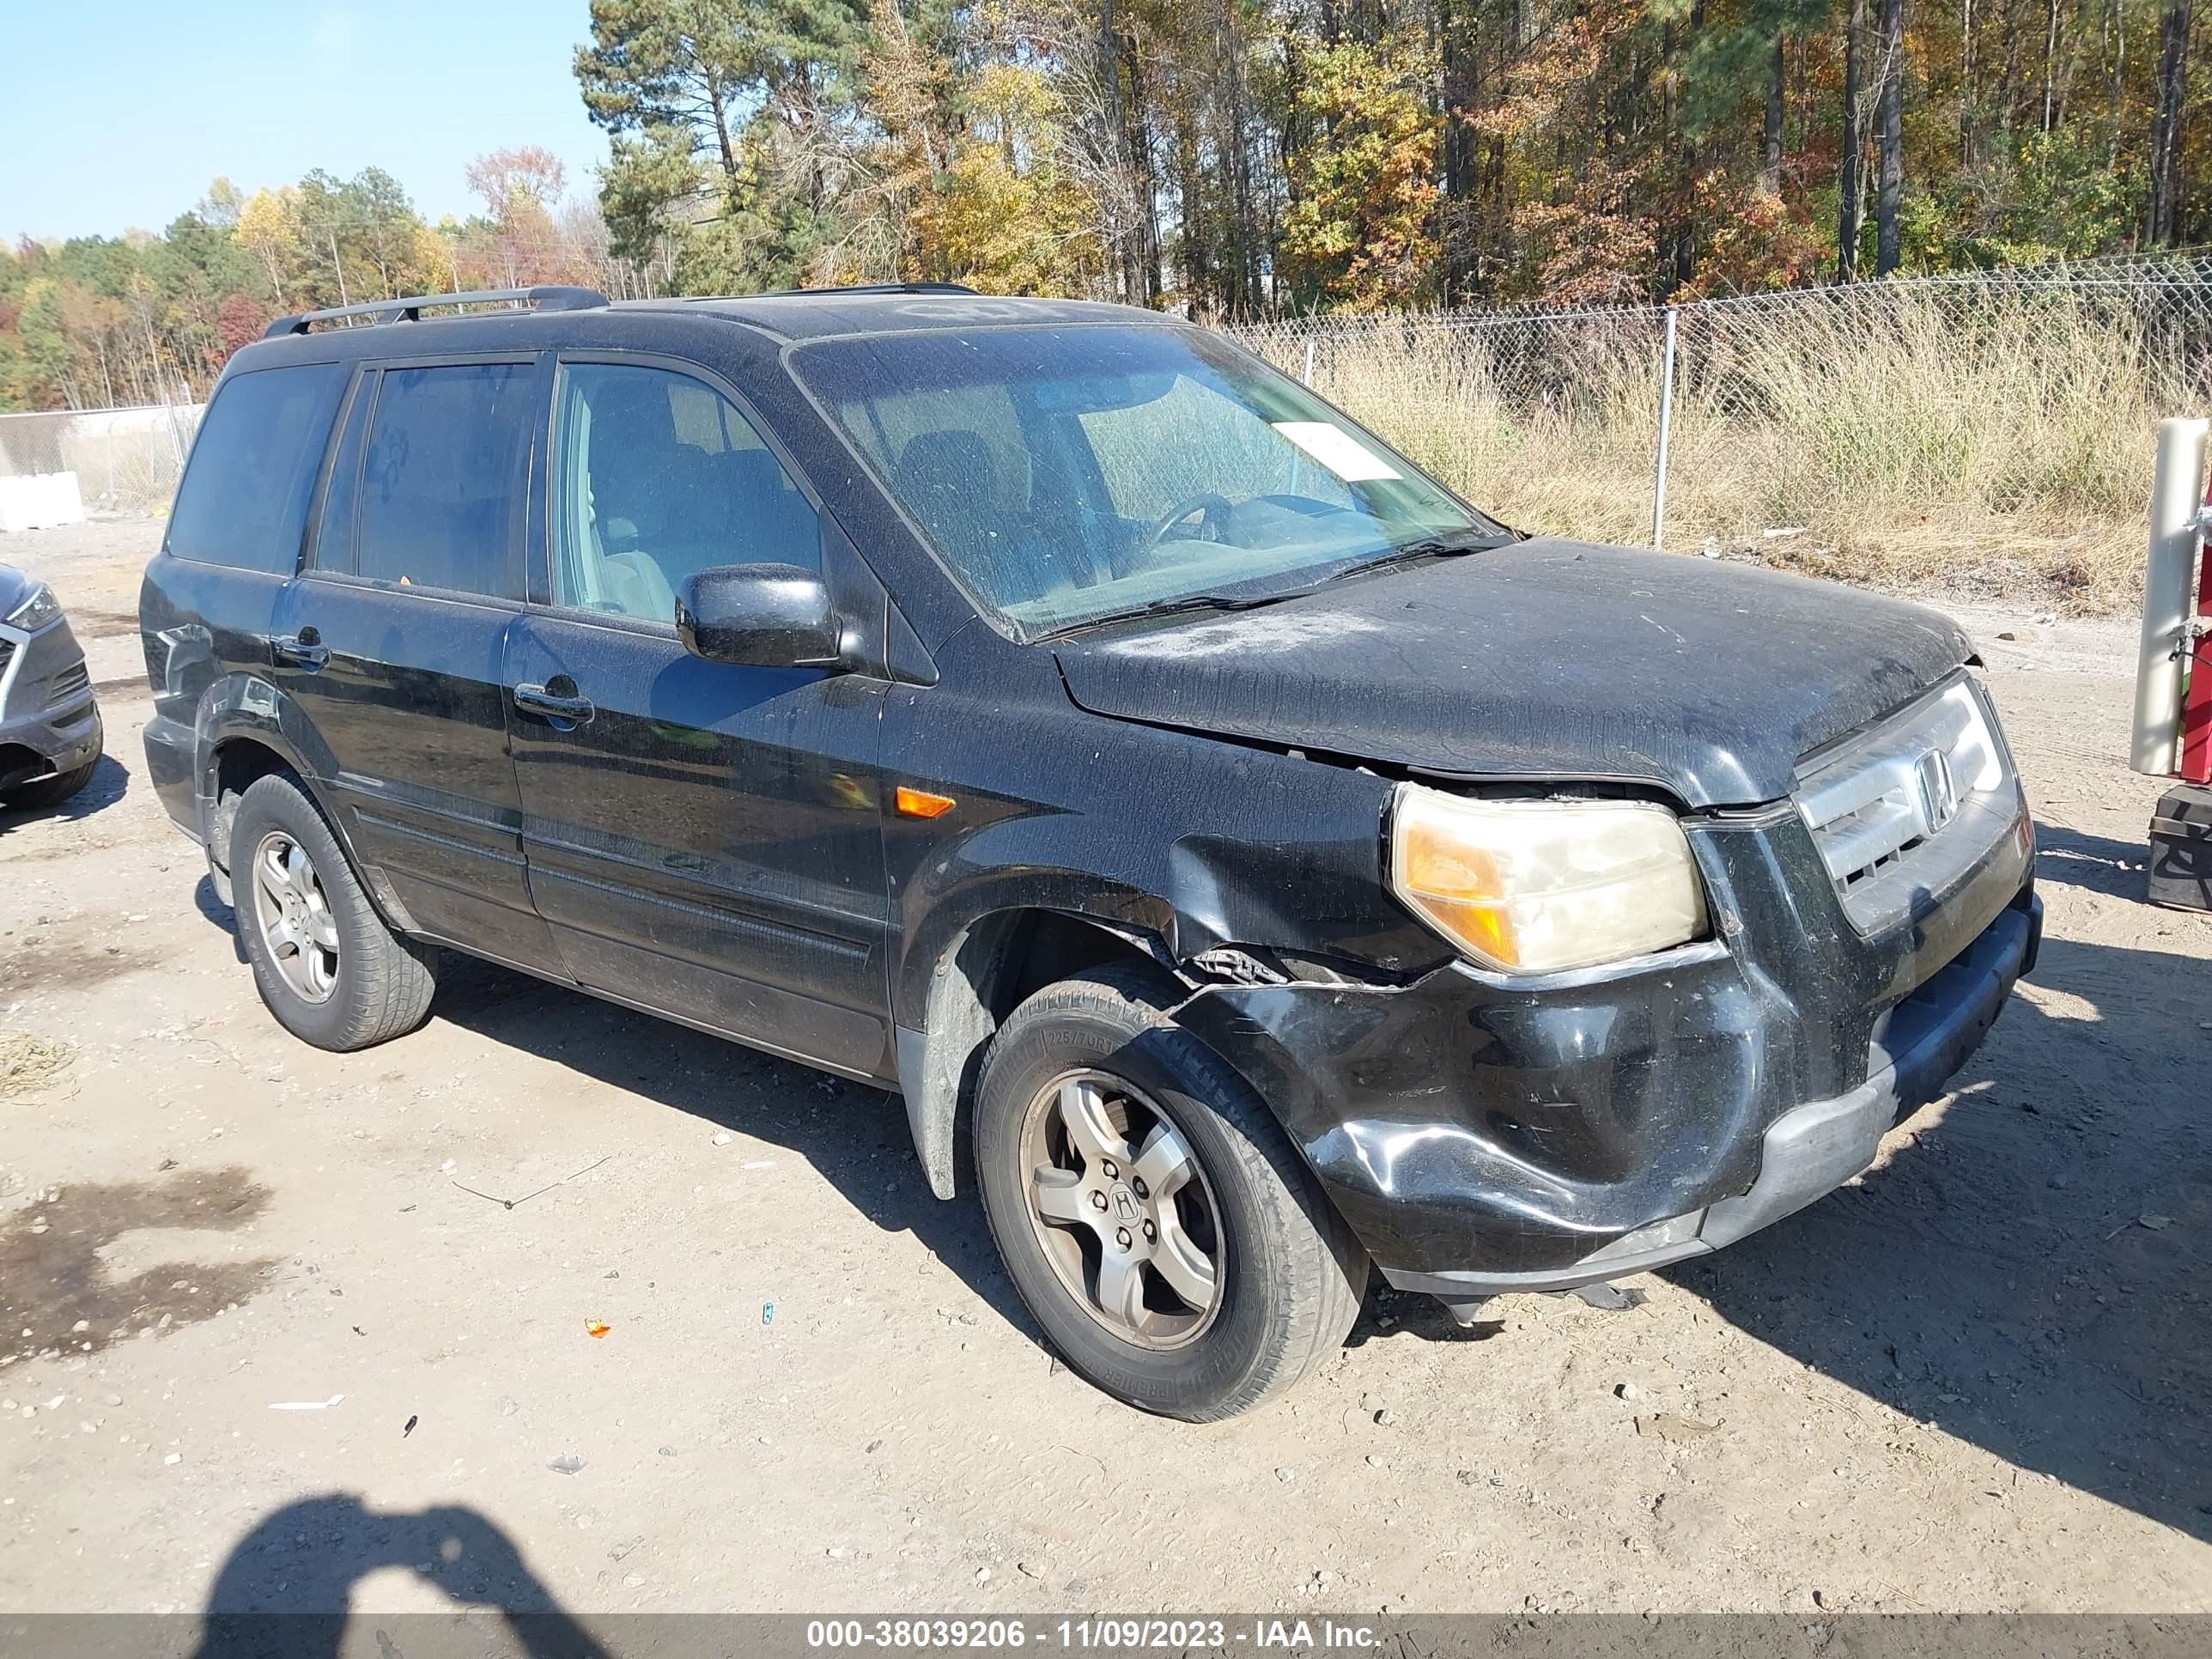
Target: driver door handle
(305,647)
(535,699)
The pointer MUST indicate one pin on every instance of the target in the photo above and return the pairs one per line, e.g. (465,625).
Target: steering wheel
(1206,503)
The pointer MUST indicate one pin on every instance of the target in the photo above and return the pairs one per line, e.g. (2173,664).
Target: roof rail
(869,287)
(410,309)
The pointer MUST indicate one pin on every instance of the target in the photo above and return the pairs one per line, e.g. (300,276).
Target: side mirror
(759,616)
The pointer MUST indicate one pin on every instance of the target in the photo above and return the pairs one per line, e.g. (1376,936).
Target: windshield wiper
(1437,547)
(1166,607)
(1433,547)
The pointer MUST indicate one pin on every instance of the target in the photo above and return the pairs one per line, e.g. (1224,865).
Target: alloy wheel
(1123,1209)
(293,915)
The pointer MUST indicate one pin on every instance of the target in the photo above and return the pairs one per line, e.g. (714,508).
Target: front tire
(1154,1219)
(36,796)
(323,961)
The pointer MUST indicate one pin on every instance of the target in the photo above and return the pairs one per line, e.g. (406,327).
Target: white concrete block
(41,499)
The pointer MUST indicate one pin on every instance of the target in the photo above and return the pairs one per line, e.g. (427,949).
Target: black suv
(1250,862)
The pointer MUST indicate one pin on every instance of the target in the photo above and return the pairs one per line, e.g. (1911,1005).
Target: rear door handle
(305,647)
(537,700)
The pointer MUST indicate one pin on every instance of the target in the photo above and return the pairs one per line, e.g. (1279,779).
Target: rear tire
(322,959)
(1089,1087)
(43,792)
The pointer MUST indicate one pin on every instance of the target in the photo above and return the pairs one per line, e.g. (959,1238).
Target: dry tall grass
(1992,442)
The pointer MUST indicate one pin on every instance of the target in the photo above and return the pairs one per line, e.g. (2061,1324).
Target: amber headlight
(1531,887)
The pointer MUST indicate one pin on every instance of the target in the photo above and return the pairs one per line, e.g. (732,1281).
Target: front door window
(662,476)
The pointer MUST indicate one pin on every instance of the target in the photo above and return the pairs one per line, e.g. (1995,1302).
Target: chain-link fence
(1971,430)
(126,461)
(1990,430)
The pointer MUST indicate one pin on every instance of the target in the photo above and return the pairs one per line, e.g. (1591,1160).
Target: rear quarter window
(244,499)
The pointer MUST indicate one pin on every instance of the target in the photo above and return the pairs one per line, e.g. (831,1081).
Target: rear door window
(444,478)
(244,498)
(331,546)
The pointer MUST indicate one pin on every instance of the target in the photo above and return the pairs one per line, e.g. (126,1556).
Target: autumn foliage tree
(1228,158)
(1362,228)
(144,318)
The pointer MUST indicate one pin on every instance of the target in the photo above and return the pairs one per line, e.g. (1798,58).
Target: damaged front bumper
(1483,1135)
(1810,1150)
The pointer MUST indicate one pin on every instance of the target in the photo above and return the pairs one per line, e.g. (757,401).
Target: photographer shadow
(285,1591)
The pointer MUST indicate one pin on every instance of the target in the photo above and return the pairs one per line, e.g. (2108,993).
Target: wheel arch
(246,729)
(987,969)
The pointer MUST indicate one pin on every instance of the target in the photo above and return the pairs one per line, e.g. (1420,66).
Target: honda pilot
(1255,867)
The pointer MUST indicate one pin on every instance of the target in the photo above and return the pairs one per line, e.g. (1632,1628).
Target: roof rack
(551,297)
(868,288)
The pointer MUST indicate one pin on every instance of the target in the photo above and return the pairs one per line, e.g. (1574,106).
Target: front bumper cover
(47,703)
(1810,1150)
(1481,1136)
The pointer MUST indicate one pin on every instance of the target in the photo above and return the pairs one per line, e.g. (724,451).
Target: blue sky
(118,113)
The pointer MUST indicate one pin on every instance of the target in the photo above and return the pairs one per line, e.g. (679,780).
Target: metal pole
(1666,433)
(1310,346)
(176,437)
(2168,595)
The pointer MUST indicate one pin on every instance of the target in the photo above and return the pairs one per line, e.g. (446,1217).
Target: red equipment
(2179,872)
(2196,755)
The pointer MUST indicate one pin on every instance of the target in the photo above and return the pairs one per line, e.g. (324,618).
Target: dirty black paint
(1548,659)
(710,843)
(1466,1123)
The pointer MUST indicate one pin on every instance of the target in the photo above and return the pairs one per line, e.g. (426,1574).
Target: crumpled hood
(1547,658)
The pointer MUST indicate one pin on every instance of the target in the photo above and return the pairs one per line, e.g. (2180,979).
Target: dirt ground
(290,1326)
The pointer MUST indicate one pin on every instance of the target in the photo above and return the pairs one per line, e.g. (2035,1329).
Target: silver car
(49,731)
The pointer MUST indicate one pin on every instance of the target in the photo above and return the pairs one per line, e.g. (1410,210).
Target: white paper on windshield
(1337,450)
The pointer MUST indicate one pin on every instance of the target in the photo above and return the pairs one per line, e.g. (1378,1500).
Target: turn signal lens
(921,804)
(1532,887)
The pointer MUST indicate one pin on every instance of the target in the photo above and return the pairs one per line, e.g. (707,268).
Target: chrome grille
(1901,809)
